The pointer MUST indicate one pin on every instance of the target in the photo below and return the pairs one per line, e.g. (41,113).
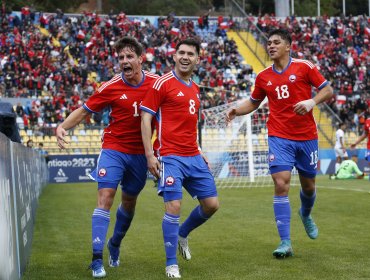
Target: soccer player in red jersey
(292,133)
(365,134)
(178,160)
(122,158)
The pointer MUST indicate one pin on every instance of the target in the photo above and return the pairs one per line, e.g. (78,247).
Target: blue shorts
(367,157)
(114,167)
(285,153)
(191,172)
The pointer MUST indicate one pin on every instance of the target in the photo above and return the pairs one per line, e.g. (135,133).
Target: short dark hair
(283,33)
(128,42)
(191,42)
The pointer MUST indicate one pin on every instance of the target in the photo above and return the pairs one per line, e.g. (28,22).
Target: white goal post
(238,152)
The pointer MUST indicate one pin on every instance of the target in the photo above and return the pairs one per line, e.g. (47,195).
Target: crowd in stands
(59,59)
(339,46)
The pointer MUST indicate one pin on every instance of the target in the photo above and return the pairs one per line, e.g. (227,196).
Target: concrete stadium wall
(23,174)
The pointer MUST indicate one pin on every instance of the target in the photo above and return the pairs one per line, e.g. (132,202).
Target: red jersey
(367,130)
(176,105)
(285,89)
(123,133)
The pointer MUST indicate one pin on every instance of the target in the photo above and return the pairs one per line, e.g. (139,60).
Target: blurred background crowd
(58,60)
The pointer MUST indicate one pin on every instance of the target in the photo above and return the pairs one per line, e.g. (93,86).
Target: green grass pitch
(237,243)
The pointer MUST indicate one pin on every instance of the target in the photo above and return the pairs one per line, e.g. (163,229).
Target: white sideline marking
(344,189)
(295,185)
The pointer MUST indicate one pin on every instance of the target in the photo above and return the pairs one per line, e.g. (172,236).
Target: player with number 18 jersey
(283,90)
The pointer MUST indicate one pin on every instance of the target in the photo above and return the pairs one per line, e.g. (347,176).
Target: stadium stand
(57,60)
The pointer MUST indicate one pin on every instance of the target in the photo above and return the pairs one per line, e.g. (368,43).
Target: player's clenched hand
(230,115)
(303,107)
(60,134)
(206,160)
(154,166)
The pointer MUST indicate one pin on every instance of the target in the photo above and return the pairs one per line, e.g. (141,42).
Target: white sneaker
(97,268)
(172,271)
(184,248)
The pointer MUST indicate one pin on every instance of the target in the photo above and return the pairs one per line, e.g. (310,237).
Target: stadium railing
(23,174)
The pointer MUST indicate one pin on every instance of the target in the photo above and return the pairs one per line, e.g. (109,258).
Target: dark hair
(284,34)
(128,42)
(191,42)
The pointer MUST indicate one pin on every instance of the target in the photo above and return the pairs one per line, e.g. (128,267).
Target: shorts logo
(170,180)
(272,157)
(292,78)
(102,172)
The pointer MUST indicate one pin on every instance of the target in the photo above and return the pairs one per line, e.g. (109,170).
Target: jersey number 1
(136,114)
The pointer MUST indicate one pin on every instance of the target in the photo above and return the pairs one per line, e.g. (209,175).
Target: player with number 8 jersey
(178,161)
(178,115)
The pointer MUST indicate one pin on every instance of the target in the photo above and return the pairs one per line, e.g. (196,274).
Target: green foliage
(153,7)
(309,7)
(45,5)
(237,243)
(181,8)
(194,7)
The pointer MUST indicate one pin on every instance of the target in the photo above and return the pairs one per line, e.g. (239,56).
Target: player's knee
(129,206)
(210,206)
(173,207)
(128,202)
(105,199)
(281,186)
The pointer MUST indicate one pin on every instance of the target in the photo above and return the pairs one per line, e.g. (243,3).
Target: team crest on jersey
(170,180)
(292,78)
(271,157)
(102,172)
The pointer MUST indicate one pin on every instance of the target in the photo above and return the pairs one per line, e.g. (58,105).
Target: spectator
(43,152)
(30,144)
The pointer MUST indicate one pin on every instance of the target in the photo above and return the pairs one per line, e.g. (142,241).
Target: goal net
(238,152)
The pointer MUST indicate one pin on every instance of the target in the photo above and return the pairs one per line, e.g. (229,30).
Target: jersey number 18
(282,91)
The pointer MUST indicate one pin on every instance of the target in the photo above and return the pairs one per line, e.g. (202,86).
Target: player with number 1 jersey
(123,133)
(283,90)
(122,159)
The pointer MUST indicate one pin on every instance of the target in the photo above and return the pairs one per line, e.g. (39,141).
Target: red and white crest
(271,157)
(102,172)
(170,180)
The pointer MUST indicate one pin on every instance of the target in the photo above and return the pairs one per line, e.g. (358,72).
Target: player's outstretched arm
(359,140)
(154,166)
(246,107)
(71,121)
(305,106)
